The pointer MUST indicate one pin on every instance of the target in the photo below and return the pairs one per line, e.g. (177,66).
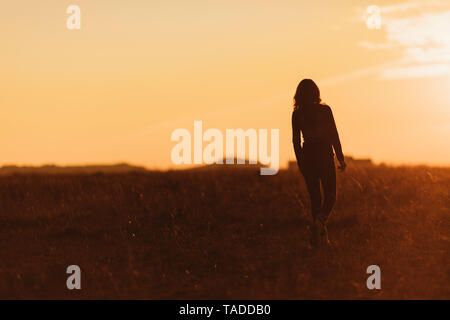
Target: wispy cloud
(356,74)
(421,31)
(414,4)
(400,7)
(375,46)
(417,71)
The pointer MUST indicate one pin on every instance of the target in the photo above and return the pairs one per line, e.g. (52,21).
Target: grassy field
(224,234)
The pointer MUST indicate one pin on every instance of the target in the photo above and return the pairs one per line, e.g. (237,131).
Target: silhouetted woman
(315,159)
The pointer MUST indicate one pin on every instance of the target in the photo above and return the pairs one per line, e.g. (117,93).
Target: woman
(315,158)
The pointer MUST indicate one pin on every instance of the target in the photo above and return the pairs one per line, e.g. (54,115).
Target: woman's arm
(336,142)
(296,137)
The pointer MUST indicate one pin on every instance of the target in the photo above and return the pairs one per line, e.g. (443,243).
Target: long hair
(307,93)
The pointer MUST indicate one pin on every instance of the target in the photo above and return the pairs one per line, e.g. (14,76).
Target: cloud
(376,46)
(405,6)
(418,71)
(356,74)
(421,31)
(418,31)
(408,6)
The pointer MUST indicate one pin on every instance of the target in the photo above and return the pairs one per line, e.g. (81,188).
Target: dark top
(316,124)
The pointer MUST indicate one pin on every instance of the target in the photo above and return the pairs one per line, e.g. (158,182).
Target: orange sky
(137,70)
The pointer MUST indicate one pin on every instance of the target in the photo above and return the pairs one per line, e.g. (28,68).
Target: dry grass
(224,234)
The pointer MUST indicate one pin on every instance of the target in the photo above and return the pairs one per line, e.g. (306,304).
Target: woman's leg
(328,178)
(313,185)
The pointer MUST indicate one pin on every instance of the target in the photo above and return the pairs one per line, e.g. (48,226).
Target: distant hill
(233,165)
(361,162)
(53,169)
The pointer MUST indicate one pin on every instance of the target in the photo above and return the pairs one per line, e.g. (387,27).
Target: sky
(116,89)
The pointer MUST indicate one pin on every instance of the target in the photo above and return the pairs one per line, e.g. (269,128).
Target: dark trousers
(317,167)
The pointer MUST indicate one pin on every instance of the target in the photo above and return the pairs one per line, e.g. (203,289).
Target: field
(224,234)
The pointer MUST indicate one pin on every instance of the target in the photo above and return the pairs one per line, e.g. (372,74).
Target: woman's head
(307,93)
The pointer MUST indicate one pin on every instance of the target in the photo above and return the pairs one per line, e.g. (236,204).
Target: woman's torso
(314,123)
